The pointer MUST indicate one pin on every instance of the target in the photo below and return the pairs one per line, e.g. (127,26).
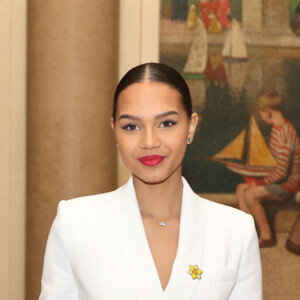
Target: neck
(160,199)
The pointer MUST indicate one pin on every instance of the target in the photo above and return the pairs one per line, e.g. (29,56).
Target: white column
(138,43)
(12,147)
(139,33)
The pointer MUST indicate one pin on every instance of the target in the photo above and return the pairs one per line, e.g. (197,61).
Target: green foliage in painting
(236,10)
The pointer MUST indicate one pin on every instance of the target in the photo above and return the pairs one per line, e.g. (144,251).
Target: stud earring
(190,140)
(117,145)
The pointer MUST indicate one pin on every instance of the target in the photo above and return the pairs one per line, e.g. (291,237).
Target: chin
(156,177)
(151,179)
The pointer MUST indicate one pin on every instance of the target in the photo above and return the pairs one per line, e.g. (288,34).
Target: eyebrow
(165,114)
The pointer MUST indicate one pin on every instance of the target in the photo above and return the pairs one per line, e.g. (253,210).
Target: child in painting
(223,12)
(215,25)
(283,182)
(204,12)
(221,9)
(191,21)
(215,7)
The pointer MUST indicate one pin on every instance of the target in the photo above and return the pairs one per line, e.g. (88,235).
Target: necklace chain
(162,223)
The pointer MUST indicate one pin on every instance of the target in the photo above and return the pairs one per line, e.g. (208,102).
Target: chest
(163,244)
(105,269)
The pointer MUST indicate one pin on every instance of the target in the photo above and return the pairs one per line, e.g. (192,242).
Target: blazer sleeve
(58,281)
(249,278)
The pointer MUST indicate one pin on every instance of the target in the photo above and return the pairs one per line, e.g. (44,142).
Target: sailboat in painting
(196,61)
(234,48)
(248,154)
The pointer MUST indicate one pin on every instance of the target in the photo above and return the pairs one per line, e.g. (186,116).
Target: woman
(153,238)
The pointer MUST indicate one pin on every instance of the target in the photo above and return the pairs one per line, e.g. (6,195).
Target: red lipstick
(151,160)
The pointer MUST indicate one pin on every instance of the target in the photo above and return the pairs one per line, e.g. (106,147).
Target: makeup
(151,160)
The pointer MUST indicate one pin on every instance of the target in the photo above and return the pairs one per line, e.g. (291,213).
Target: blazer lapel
(131,235)
(190,246)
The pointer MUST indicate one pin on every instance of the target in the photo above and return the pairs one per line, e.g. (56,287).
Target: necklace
(162,223)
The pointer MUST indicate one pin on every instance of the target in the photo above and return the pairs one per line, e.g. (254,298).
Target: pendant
(162,223)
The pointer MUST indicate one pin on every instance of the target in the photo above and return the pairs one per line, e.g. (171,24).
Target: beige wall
(12,148)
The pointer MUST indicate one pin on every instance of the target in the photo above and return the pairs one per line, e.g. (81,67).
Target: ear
(193,125)
(269,113)
(112,124)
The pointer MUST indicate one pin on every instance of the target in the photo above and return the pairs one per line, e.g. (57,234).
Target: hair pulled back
(155,72)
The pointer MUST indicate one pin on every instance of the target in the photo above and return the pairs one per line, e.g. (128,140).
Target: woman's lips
(151,160)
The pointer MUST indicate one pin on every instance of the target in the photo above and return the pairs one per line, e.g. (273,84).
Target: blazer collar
(131,235)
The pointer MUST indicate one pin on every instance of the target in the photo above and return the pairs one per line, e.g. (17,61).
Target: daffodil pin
(195,272)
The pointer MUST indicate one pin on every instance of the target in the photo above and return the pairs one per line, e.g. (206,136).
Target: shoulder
(228,228)
(215,212)
(289,128)
(290,133)
(86,206)
(218,210)
(224,218)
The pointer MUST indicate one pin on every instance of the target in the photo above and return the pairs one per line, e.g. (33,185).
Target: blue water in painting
(227,106)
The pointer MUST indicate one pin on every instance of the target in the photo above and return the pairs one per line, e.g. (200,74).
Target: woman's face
(152,130)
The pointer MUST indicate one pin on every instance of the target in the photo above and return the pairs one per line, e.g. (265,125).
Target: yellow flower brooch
(195,272)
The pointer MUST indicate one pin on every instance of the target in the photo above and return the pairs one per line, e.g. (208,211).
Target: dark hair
(155,72)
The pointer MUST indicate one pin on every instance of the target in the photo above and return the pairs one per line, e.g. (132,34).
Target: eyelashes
(130,127)
(164,124)
(168,123)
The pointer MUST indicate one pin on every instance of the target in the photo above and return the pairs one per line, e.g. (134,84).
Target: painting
(229,52)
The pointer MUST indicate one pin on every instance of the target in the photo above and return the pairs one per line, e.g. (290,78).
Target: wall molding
(13,148)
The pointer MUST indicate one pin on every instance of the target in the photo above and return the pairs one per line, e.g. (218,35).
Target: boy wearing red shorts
(283,182)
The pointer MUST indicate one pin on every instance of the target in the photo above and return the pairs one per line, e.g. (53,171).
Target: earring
(190,140)
(117,145)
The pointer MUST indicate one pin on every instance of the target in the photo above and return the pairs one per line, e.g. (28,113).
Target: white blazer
(97,249)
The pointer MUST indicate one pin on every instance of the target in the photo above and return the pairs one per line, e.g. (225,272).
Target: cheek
(126,146)
(177,142)
(264,116)
(266,119)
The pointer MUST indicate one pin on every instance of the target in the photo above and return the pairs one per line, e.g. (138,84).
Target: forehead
(149,96)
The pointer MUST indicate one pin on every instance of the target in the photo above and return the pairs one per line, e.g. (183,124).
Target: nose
(150,139)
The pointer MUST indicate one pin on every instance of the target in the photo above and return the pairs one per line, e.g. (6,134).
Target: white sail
(226,51)
(235,44)
(197,57)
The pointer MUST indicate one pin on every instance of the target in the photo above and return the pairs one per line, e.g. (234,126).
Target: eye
(130,127)
(167,123)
